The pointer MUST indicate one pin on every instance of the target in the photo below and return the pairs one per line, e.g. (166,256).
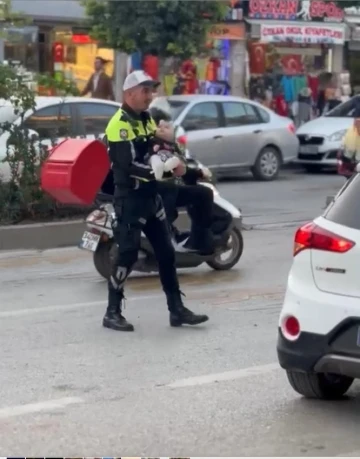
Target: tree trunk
(2,49)
(121,60)
(237,71)
(162,73)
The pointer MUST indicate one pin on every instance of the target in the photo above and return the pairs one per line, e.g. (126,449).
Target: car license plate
(89,241)
(309,149)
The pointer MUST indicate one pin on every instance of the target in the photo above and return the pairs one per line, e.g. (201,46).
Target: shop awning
(256,25)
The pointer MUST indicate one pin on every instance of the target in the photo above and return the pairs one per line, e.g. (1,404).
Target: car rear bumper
(329,324)
(289,149)
(337,352)
(303,354)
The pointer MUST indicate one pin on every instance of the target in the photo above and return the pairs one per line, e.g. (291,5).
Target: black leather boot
(201,240)
(179,315)
(113,318)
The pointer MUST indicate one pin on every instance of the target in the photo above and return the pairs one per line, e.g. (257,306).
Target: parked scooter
(226,227)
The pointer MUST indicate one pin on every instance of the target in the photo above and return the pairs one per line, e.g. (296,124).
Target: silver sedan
(232,134)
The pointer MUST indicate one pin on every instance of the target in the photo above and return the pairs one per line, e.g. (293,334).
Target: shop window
(95,116)
(26,54)
(202,116)
(51,122)
(239,114)
(71,55)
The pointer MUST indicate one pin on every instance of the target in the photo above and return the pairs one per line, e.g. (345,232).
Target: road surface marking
(42,310)
(225,376)
(49,405)
(89,304)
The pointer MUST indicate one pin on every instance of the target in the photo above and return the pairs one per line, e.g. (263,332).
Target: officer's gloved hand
(206,173)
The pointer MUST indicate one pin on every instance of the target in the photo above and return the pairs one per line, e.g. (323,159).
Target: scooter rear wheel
(103,258)
(236,249)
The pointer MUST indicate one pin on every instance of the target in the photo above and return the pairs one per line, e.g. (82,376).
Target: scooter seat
(104,197)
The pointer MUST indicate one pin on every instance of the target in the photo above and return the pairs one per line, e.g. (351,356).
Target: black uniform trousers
(137,213)
(196,198)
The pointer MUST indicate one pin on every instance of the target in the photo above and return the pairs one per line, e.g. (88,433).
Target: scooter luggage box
(75,171)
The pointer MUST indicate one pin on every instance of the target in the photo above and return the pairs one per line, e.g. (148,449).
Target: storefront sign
(82,39)
(302,34)
(225,31)
(305,10)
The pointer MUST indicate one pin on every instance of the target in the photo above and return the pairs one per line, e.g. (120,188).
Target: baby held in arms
(162,157)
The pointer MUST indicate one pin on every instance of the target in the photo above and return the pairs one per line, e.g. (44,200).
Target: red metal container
(75,170)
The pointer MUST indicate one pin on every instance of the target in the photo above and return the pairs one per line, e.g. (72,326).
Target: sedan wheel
(267,166)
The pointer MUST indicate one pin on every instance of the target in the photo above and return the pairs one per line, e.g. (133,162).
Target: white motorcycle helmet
(160,109)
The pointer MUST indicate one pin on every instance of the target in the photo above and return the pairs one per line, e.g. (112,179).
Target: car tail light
(182,140)
(291,128)
(290,328)
(311,236)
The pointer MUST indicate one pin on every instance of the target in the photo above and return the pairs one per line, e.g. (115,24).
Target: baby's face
(165,131)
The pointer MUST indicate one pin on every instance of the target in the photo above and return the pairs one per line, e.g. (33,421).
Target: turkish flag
(257,58)
(58,52)
(292,64)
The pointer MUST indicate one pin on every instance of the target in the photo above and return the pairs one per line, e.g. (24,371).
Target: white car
(56,118)
(319,326)
(320,139)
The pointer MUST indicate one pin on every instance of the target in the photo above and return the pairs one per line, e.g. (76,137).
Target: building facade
(294,45)
(56,40)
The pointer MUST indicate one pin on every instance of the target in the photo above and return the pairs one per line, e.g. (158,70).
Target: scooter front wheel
(232,255)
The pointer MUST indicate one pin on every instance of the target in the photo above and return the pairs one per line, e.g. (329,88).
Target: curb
(45,236)
(56,235)
(41,236)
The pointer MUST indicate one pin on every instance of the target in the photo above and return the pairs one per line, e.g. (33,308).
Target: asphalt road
(70,387)
(293,198)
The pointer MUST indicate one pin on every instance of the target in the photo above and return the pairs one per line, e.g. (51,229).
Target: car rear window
(345,209)
(176,107)
(265,117)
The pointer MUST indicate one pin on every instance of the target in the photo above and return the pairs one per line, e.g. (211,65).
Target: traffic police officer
(138,206)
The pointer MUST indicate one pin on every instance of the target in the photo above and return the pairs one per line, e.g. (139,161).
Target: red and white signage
(291,10)
(301,33)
